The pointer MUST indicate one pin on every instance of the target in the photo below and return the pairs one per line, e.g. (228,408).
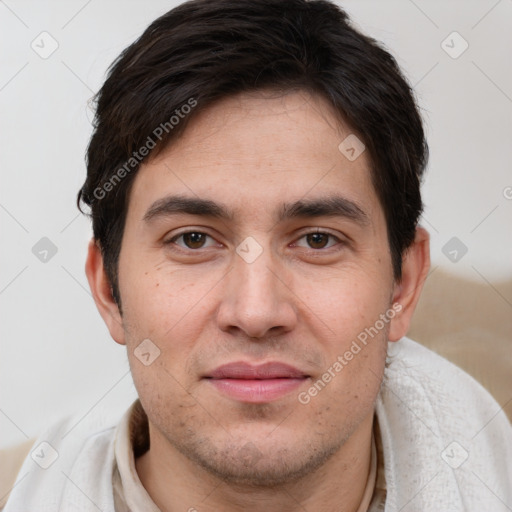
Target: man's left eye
(319,240)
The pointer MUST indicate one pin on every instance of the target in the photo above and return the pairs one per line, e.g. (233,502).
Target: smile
(256,384)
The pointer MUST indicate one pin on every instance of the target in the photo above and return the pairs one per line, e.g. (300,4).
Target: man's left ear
(415,267)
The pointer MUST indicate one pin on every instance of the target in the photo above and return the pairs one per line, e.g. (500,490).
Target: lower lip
(256,391)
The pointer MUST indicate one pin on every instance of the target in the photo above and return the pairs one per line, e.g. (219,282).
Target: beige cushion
(11,460)
(470,324)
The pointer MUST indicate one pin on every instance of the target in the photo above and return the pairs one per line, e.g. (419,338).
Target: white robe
(447,447)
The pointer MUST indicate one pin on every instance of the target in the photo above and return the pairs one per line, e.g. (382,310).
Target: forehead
(254,151)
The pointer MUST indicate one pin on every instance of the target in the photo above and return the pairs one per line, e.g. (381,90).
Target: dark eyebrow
(332,206)
(171,205)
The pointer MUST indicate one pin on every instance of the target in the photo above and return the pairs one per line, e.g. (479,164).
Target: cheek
(346,302)
(164,395)
(349,308)
(161,301)
(167,312)
(345,393)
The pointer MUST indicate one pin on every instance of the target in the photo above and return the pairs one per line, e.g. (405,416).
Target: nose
(256,299)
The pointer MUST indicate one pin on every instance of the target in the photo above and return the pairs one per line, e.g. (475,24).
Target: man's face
(256,286)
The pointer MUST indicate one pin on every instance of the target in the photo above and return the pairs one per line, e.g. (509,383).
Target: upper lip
(243,370)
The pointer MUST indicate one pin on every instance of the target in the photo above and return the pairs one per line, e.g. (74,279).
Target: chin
(260,462)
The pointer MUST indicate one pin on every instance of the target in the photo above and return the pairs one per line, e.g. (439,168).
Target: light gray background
(56,355)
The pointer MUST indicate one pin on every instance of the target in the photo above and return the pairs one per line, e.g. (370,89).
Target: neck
(176,483)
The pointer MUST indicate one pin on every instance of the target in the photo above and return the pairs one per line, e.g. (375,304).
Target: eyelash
(173,239)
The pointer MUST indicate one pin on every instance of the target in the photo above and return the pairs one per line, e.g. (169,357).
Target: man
(254,184)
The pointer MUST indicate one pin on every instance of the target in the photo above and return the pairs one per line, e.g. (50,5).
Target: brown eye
(194,240)
(317,240)
(191,240)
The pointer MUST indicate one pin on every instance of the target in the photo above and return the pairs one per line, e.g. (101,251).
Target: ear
(101,292)
(415,267)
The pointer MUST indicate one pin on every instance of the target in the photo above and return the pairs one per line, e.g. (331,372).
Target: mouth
(256,383)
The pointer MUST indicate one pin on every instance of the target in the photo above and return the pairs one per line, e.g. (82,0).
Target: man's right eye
(190,240)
